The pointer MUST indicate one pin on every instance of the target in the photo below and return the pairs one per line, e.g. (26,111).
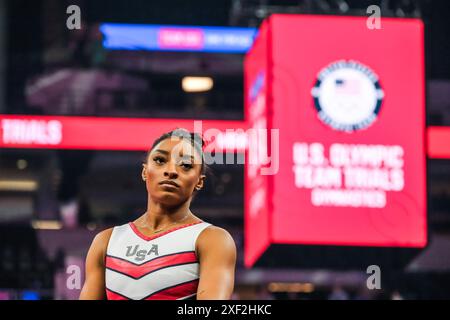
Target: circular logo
(347,96)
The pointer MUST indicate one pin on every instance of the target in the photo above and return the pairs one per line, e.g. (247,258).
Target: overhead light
(46,224)
(197,84)
(91,226)
(22,164)
(18,185)
(291,287)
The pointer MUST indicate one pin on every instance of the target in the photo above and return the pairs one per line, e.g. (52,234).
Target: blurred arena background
(53,201)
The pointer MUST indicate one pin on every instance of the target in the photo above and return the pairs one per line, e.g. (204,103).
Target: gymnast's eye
(187,165)
(158,160)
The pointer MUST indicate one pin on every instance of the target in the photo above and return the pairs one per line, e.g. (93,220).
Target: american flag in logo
(347,86)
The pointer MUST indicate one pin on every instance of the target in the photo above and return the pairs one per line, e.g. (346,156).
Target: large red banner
(133,134)
(68,132)
(348,104)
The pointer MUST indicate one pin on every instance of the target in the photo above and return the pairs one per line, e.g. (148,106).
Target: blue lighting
(177,38)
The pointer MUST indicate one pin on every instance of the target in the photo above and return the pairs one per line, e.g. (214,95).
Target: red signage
(256,186)
(46,132)
(55,132)
(348,103)
(438,142)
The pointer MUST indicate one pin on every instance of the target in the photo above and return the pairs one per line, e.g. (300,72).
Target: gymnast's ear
(144,172)
(200,183)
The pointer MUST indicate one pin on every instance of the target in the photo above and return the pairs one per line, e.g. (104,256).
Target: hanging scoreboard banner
(348,103)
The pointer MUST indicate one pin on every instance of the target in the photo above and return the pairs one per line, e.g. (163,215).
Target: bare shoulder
(214,237)
(102,238)
(215,233)
(104,235)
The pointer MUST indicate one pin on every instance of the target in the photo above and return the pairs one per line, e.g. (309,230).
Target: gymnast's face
(174,160)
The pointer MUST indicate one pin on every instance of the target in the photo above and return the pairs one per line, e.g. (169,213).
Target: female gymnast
(168,252)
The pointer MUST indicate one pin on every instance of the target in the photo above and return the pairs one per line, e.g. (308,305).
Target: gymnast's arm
(94,285)
(216,251)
